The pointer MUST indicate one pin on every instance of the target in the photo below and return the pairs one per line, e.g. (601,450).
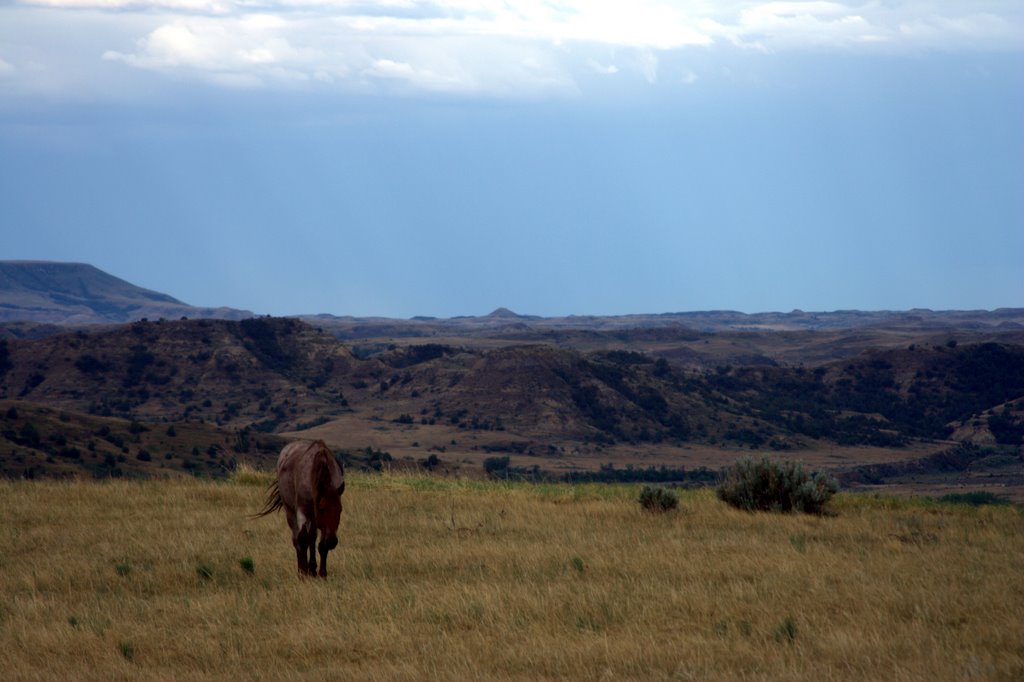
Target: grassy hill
(274,374)
(455,579)
(218,371)
(37,441)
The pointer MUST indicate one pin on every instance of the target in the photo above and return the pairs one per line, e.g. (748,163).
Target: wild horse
(309,486)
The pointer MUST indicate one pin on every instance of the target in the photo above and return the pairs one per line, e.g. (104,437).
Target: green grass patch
(977,498)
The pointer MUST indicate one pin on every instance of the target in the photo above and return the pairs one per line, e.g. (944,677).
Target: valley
(630,404)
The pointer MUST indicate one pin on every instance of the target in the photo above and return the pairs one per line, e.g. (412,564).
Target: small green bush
(786,631)
(976,498)
(657,500)
(767,485)
(247,564)
(204,570)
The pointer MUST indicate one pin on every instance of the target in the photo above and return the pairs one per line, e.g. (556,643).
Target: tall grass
(460,579)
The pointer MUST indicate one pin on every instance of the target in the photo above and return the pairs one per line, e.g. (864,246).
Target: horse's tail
(273,503)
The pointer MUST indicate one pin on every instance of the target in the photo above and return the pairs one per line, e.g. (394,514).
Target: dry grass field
(462,580)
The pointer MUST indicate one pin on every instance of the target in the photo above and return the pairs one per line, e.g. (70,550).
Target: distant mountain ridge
(79,293)
(506,323)
(71,294)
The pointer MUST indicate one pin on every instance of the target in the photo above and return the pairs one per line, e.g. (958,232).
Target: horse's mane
(325,466)
(273,503)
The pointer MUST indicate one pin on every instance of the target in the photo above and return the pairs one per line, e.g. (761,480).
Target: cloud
(455,46)
(649,66)
(256,50)
(598,67)
(425,79)
(816,24)
(971,31)
(191,6)
(249,51)
(796,24)
(498,47)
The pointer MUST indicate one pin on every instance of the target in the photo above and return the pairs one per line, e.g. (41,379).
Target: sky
(449,157)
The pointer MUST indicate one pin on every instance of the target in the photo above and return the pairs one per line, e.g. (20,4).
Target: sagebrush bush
(768,485)
(658,499)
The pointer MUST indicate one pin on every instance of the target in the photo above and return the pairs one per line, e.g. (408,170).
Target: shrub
(786,630)
(1006,429)
(88,364)
(29,436)
(247,564)
(976,498)
(33,380)
(5,358)
(497,466)
(766,485)
(657,500)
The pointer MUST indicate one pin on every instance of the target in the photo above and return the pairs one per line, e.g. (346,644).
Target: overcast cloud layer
(406,157)
(530,47)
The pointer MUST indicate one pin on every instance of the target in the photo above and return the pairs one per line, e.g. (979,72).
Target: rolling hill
(543,406)
(559,396)
(78,294)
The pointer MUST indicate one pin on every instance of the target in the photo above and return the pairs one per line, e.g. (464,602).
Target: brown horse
(309,486)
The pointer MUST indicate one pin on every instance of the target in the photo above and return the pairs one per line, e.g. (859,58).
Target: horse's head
(328,514)
(329,477)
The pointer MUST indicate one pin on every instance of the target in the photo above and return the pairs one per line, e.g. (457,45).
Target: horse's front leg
(301,543)
(295,522)
(323,559)
(325,546)
(312,552)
